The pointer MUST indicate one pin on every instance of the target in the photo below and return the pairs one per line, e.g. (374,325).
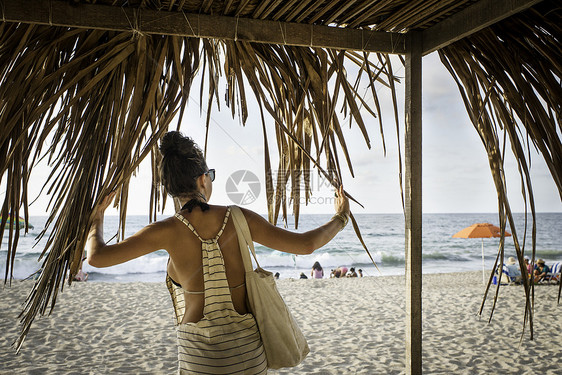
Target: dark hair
(182,162)
(317,266)
(352,269)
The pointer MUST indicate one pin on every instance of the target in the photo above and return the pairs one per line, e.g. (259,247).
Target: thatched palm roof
(509,76)
(92,85)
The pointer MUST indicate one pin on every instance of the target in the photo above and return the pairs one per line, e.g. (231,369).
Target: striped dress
(223,341)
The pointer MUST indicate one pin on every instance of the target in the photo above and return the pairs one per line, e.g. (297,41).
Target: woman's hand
(342,202)
(105,202)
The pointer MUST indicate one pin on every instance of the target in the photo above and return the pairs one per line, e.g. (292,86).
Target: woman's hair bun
(182,162)
(174,142)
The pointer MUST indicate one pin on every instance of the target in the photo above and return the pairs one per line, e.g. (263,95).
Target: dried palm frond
(510,84)
(94,104)
(104,99)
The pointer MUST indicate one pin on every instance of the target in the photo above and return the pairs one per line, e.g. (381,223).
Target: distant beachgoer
(303,276)
(276,276)
(343,271)
(513,269)
(352,272)
(528,264)
(339,272)
(81,276)
(317,271)
(360,272)
(541,271)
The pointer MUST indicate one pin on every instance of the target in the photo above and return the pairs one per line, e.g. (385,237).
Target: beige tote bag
(283,341)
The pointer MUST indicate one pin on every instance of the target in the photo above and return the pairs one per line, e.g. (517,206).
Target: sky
(456,176)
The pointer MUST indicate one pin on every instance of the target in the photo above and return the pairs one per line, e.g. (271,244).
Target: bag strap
(244,237)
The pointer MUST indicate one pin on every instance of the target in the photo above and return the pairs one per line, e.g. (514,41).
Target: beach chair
(554,274)
(509,276)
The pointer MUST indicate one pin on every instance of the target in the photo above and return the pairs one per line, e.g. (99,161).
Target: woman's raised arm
(280,239)
(148,239)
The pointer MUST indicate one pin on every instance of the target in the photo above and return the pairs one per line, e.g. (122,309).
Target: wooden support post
(413,203)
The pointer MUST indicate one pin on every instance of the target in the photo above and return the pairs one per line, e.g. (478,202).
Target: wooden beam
(413,203)
(470,20)
(104,17)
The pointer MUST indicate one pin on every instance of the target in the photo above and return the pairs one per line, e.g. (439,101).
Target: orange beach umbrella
(481,230)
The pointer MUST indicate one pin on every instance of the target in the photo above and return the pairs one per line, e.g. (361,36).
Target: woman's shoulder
(249,213)
(164,224)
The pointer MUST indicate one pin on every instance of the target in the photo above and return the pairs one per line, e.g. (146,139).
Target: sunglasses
(211,174)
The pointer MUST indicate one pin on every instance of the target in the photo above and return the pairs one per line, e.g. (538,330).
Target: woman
(203,248)
(339,272)
(541,271)
(528,264)
(317,271)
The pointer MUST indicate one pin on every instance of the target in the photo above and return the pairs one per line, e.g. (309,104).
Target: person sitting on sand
(360,272)
(513,269)
(317,271)
(352,272)
(276,276)
(343,271)
(198,237)
(81,275)
(541,271)
(339,272)
(303,276)
(528,265)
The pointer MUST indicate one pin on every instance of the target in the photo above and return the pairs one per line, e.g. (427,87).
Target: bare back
(185,266)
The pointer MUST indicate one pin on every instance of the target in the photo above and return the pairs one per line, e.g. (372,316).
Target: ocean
(382,233)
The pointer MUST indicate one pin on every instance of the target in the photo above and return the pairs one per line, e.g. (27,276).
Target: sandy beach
(353,326)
